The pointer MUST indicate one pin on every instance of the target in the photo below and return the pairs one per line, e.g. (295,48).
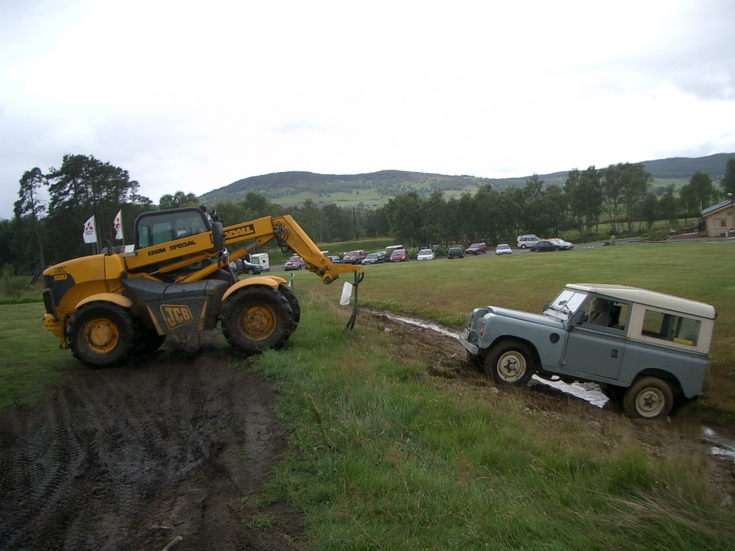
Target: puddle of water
(591,392)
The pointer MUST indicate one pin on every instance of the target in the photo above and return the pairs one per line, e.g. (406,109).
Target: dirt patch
(129,458)
(183,442)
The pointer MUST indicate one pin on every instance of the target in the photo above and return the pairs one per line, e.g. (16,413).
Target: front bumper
(471,348)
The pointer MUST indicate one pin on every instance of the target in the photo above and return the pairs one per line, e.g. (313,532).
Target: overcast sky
(193,96)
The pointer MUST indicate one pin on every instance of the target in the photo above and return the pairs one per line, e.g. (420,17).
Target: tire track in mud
(126,458)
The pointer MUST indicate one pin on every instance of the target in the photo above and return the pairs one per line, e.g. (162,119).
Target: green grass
(394,460)
(446,290)
(31,359)
(383,456)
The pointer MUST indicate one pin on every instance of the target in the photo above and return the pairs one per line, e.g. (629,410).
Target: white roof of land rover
(649,298)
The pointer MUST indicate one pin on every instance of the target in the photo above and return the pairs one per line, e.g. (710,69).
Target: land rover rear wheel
(648,398)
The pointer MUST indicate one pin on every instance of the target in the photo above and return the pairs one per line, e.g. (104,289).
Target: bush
(12,285)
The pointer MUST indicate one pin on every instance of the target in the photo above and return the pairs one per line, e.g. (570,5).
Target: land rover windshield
(565,304)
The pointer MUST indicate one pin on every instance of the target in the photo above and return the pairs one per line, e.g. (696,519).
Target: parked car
(375,258)
(477,248)
(262,260)
(503,248)
(455,252)
(399,255)
(525,241)
(544,246)
(294,263)
(425,254)
(651,348)
(335,259)
(563,245)
(354,257)
(242,266)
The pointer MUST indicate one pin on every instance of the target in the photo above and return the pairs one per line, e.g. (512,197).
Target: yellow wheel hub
(258,322)
(101,335)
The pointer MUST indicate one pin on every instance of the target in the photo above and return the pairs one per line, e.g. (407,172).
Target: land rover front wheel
(511,363)
(648,398)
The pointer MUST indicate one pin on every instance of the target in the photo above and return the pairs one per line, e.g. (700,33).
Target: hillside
(375,189)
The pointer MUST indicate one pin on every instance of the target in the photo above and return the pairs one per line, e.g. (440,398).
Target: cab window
(606,313)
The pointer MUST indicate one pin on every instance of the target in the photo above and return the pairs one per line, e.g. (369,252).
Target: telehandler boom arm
(188,250)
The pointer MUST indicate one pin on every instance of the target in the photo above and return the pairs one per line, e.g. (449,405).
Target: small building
(719,219)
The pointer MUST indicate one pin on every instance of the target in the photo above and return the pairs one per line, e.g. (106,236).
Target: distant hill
(376,188)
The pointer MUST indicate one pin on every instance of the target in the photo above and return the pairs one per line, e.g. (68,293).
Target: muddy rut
(128,458)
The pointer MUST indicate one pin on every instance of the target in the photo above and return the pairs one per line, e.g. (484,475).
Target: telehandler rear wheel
(257,318)
(101,334)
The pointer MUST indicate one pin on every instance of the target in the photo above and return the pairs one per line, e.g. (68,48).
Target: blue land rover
(648,348)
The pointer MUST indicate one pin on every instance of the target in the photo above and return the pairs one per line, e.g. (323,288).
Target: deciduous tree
(29,206)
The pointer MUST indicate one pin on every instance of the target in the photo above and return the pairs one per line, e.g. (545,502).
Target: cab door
(595,351)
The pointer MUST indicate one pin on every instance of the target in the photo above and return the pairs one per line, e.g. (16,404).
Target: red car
(354,257)
(399,255)
(477,248)
(294,263)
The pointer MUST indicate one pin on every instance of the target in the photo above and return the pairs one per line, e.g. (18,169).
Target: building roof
(719,206)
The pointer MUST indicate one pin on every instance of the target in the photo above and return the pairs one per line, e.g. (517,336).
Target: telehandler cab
(177,279)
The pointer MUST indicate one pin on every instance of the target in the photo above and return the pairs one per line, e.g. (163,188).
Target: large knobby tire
(102,334)
(293,302)
(257,318)
(648,398)
(510,363)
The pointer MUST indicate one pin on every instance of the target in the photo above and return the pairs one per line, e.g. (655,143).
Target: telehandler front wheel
(101,334)
(293,301)
(257,318)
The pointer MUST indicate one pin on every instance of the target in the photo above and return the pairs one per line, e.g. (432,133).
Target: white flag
(90,233)
(118,225)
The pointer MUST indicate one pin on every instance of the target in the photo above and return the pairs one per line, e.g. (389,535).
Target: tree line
(53,206)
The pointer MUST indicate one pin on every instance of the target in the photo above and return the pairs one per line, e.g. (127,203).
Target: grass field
(446,290)
(382,456)
(31,359)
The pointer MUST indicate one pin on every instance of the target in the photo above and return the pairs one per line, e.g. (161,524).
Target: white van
(525,241)
(262,260)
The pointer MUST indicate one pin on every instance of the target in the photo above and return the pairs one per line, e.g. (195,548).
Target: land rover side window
(672,328)
(610,313)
